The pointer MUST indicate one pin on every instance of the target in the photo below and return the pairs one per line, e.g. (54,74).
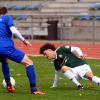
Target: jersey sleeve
(77,51)
(9,21)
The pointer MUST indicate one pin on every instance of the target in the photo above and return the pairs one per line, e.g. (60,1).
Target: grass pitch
(45,73)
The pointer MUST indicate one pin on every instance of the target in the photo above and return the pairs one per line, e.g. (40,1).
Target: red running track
(90,49)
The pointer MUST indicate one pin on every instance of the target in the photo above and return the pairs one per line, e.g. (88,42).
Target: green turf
(45,71)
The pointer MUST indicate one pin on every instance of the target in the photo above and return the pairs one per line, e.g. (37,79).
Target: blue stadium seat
(86,17)
(21,17)
(33,7)
(95,6)
(97,17)
(18,7)
(10,7)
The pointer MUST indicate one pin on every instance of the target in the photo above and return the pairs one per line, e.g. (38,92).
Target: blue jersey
(7,48)
(5,34)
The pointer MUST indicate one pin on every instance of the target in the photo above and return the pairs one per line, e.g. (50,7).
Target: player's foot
(80,87)
(37,92)
(10,89)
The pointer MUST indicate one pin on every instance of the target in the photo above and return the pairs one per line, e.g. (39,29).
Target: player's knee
(30,62)
(65,68)
(27,61)
(89,75)
(90,78)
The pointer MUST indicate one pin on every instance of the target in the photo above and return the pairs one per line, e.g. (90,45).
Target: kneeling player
(80,72)
(69,60)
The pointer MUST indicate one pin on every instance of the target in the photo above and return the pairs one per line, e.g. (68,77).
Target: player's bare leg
(89,75)
(69,74)
(31,74)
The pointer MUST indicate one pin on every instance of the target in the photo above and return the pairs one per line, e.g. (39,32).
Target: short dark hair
(3,10)
(47,46)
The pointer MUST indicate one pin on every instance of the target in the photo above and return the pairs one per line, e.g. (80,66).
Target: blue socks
(6,73)
(32,77)
(29,71)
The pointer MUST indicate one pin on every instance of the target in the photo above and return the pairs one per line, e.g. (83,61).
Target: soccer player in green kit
(69,60)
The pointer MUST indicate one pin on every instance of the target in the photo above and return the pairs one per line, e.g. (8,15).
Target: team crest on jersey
(66,60)
(60,56)
(0,19)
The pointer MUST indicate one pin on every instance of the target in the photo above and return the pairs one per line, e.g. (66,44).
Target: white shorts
(80,71)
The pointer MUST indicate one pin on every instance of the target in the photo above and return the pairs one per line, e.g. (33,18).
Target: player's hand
(27,43)
(84,56)
(53,86)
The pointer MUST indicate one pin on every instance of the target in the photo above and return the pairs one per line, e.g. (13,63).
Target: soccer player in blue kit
(8,50)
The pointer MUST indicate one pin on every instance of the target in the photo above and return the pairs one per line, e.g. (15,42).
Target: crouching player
(69,60)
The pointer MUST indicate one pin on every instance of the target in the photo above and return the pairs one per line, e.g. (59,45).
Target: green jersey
(64,56)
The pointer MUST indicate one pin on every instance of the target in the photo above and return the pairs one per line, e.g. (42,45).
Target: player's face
(49,54)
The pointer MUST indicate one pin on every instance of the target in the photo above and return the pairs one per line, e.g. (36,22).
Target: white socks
(96,80)
(56,79)
(71,76)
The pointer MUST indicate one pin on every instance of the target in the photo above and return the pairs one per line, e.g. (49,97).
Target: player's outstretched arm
(77,52)
(19,35)
(15,32)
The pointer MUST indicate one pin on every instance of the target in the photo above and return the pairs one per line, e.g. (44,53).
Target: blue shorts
(2,59)
(12,53)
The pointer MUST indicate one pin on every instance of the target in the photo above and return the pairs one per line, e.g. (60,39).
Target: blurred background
(57,20)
